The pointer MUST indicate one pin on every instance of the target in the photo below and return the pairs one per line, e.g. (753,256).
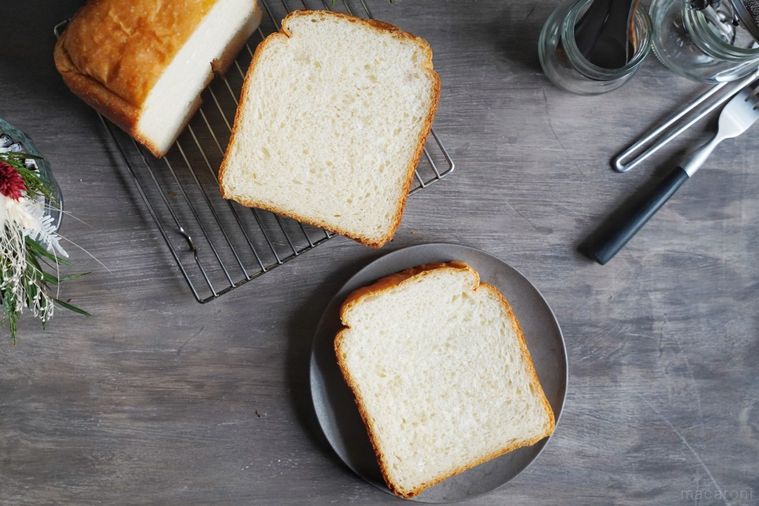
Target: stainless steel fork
(736,117)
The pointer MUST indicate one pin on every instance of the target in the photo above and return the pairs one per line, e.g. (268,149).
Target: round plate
(333,401)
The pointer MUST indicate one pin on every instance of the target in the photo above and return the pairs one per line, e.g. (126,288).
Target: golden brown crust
(123,114)
(113,52)
(125,46)
(380,26)
(393,280)
(388,283)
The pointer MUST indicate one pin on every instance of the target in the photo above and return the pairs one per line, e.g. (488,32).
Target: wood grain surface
(157,399)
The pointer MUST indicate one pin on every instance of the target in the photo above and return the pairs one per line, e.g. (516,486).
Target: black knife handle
(629,225)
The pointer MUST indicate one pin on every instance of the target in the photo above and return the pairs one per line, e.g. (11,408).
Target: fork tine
(753,89)
(752,96)
(749,94)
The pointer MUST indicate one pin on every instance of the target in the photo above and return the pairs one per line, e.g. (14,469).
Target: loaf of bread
(441,374)
(144,63)
(332,121)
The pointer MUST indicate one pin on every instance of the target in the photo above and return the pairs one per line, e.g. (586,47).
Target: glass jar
(564,64)
(708,45)
(13,139)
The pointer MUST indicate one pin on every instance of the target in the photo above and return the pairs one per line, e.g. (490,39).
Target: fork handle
(633,222)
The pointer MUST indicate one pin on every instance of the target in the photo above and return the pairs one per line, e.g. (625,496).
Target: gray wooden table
(158,399)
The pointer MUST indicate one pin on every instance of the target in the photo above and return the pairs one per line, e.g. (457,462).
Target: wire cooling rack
(219,245)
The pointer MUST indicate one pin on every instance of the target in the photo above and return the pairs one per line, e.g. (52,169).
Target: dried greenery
(29,250)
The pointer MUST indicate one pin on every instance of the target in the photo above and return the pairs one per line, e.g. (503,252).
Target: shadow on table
(514,31)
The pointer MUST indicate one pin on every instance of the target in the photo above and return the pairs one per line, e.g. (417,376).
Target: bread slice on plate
(144,63)
(332,121)
(441,374)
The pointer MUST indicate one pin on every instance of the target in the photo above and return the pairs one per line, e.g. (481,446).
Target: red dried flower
(11,183)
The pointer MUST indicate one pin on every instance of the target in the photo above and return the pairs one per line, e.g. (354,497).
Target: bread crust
(120,99)
(427,126)
(388,283)
(120,112)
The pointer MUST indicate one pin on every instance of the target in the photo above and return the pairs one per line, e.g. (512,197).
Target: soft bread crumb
(333,118)
(441,374)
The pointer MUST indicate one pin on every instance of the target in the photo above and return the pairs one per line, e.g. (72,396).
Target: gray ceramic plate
(333,401)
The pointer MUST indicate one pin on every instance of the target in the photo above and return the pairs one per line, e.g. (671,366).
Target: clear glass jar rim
(713,40)
(586,67)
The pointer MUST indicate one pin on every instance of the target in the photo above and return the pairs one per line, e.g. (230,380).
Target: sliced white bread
(332,121)
(144,63)
(441,374)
